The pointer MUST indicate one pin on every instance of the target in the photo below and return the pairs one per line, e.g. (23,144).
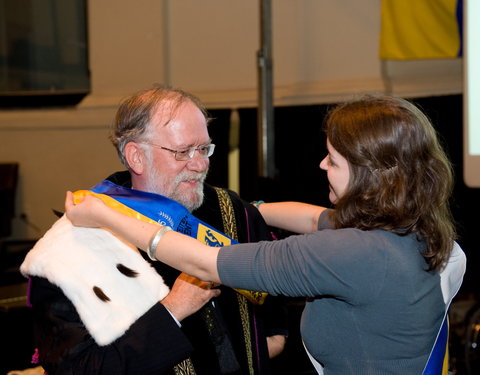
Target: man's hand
(188,295)
(275,345)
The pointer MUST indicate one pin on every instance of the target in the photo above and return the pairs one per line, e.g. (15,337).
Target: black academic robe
(250,347)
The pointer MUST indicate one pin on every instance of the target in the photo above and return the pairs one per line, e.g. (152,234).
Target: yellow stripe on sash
(112,203)
(446,358)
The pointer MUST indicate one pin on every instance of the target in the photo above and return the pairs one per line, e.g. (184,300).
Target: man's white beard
(186,198)
(171,191)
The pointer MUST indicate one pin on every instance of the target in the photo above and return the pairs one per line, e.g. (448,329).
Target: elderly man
(162,138)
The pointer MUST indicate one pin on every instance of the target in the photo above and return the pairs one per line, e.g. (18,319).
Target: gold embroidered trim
(230,229)
(243,305)
(228,216)
(184,368)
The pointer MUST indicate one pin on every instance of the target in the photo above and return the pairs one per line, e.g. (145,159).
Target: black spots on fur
(126,271)
(100,294)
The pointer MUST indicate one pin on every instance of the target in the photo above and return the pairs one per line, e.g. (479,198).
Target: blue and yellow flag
(421,29)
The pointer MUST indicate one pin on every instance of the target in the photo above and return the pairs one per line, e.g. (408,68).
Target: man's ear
(135,157)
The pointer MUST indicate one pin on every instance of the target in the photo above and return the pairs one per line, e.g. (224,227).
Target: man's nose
(198,163)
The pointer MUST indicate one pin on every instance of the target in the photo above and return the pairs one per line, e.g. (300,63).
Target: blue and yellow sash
(155,208)
(437,363)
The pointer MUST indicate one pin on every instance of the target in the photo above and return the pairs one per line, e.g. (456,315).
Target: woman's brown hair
(400,178)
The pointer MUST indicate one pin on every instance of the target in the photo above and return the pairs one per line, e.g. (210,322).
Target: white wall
(324,51)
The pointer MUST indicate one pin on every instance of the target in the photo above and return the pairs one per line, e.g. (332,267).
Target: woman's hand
(87,213)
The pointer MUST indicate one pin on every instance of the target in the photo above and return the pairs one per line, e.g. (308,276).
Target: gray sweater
(373,307)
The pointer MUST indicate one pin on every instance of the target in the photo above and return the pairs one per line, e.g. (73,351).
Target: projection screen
(471,120)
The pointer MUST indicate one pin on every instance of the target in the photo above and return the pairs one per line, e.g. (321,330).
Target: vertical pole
(266,141)
(166,28)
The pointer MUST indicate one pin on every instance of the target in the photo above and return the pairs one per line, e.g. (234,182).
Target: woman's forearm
(175,249)
(189,255)
(292,216)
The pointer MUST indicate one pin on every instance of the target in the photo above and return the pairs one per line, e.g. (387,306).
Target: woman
(370,268)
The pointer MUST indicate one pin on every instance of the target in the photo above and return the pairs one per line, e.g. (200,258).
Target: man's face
(181,181)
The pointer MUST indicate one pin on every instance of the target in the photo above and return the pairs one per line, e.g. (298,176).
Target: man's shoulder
(215,192)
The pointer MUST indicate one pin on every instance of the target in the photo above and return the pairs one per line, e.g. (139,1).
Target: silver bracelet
(152,246)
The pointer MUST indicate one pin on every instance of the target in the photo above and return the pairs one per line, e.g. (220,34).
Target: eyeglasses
(204,151)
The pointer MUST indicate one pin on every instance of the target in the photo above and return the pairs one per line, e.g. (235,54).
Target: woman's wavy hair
(132,120)
(400,178)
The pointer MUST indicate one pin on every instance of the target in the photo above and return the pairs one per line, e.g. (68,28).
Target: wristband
(152,246)
(257,204)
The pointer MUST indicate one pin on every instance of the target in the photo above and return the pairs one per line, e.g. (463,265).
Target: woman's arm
(292,216)
(175,249)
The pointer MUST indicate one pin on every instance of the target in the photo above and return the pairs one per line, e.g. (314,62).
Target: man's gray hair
(132,121)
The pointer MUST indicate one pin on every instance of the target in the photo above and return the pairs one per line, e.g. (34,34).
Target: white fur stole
(78,259)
